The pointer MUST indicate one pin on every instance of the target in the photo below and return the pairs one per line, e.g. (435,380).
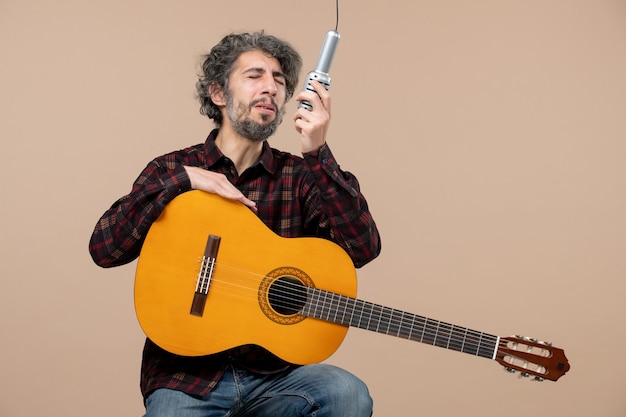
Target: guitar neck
(348,311)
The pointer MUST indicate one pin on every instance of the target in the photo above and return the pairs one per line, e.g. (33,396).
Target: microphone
(320,73)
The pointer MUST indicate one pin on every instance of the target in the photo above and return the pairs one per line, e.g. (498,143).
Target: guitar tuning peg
(525,374)
(538,379)
(548,343)
(534,340)
(510,370)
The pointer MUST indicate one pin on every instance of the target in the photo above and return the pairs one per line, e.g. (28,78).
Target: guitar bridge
(204,276)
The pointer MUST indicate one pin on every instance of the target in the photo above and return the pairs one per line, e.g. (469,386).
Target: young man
(246,81)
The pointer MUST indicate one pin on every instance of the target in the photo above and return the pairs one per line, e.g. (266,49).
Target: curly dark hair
(219,62)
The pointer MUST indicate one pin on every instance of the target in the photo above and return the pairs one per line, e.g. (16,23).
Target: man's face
(255,99)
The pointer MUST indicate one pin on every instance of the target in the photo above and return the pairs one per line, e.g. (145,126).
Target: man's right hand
(216,183)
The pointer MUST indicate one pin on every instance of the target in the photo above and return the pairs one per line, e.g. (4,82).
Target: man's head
(220,62)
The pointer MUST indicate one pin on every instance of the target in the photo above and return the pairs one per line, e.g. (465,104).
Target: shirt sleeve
(120,232)
(345,217)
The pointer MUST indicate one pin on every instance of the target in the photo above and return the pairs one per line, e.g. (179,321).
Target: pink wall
(489,138)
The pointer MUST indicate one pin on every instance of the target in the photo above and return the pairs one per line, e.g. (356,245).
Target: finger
(250,204)
(323,95)
(235,194)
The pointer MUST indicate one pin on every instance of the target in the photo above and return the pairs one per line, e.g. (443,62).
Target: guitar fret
(331,306)
(442,337)
(450,329)
(360,313)
(422,327)
(377,311)
(335,300)
(316,303)
(341,306)
(381,319)
(371,325)
(325,308)
(400,326)
(351,302)
(308,306)
(463,340)
(306,310)
(456,339)
(489,346)
(375,314)
(389,320)
(430,331)
(369,316)
(471,344)
(380,328)
(395,320)
(410,327)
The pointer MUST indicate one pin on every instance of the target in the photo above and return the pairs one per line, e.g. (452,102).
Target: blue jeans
(318,390)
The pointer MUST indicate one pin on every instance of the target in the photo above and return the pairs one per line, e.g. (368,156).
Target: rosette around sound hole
(283,293)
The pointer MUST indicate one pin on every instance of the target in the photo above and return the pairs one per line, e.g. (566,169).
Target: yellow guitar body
(250,260)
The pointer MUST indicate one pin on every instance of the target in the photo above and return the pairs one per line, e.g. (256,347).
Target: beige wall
(488,137)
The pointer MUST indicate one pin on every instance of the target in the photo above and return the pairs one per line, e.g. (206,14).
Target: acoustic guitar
(211,276)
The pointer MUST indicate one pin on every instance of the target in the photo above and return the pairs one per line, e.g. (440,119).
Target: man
(246,81)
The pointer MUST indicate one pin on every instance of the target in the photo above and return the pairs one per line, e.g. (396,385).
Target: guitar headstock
(532,357)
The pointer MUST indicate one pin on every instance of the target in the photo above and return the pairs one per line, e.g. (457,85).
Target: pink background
(488,137)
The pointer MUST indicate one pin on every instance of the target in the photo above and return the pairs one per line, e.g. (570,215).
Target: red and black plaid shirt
(295,197)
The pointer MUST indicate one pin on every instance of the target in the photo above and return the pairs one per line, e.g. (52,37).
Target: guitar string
(377,314)
(384,312)
(471,342)
(429,329)
(476,342)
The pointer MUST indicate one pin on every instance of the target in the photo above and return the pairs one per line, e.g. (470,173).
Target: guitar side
(170,261)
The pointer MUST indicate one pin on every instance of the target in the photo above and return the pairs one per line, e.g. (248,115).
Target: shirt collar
(215,157)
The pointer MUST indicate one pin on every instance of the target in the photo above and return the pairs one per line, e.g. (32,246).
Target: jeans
(318,390)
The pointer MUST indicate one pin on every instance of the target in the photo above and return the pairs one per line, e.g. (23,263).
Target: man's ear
(217,94)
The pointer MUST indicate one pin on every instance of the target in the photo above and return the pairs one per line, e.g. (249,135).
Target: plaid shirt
(309,196)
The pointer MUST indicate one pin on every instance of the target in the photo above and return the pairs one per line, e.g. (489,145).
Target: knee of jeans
(344,387)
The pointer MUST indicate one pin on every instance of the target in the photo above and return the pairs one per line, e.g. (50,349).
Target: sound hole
(287,296)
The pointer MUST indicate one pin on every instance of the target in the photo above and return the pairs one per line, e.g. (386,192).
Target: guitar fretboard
(348,311)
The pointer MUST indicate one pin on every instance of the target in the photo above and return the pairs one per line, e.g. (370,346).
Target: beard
(248,128)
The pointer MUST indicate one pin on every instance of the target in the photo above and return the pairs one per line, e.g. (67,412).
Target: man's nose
(270,86)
